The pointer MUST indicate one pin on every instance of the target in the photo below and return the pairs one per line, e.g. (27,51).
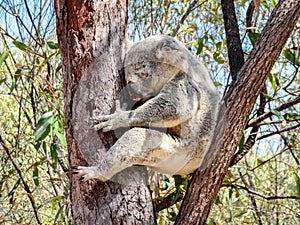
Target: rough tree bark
(91,36)
(238,103)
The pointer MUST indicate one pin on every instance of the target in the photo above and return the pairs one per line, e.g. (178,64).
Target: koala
(171,130)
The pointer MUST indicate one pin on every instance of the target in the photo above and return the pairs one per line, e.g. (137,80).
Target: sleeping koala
(178,96)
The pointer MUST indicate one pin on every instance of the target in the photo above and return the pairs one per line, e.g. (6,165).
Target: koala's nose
(133,91)
(131,86)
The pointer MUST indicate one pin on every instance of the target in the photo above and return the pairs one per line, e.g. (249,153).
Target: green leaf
(61,137)
(274,3)
(230,193)
(2,81)
(43,125)
(15,79)
(218,84)
(200,45)
(57,215)
(218,200)
(277,113)
(291,115)
(244,2)
(44,147)
(219,45)
(4,56)
(59,130)
(259,161)
(54,155)
(265,4)
(45,61)
(37,145)
(291,57)
(253,37)
(52,44)
(226,180)
(297,179)
(268,96)
(22,46)
(58,68)
(36,174)
(219,59)
(241,144)
(55,200)
(179,181)
(211,221)
(274,81)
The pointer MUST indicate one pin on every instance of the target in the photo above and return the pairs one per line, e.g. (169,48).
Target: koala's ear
(170,44)
(128,45)
(167,48)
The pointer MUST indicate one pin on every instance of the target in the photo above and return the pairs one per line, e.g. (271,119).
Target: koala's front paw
(87,173)
(111,122)
(104,122)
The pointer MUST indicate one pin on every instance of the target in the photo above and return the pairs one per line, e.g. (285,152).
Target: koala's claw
(101,118)
(87,173)
(108,128)
(104,126)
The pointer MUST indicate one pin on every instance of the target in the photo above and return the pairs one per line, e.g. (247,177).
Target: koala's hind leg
(138,146)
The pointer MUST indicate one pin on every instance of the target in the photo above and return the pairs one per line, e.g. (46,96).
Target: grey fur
(180,98)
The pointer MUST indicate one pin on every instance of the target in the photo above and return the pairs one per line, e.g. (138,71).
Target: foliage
(262,188)
(33,174)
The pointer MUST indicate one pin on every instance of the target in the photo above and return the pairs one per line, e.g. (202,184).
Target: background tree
(238,103)
(262,185)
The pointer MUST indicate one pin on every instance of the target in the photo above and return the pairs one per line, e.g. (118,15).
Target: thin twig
(26,186)
(250,191)
(167,202)
(261,164)
(191,7)
(269,114)
(278,132)
(252,198)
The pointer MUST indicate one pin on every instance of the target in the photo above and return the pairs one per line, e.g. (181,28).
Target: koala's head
(151,63)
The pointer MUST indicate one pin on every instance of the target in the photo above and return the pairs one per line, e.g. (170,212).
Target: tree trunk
(92,37)
(238,103)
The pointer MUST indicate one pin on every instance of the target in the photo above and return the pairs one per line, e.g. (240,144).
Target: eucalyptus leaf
(297,180)
(22,46)
(4,56)
(35,175)
(291,57)
(43,125)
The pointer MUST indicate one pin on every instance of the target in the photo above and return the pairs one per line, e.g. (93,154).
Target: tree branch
(167,201)
(269,114)
(234,44)
(253,192)
(278,132)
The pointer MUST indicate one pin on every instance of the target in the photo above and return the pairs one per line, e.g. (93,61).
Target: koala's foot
(87,173)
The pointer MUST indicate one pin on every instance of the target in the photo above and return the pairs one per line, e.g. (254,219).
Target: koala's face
(151,63)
